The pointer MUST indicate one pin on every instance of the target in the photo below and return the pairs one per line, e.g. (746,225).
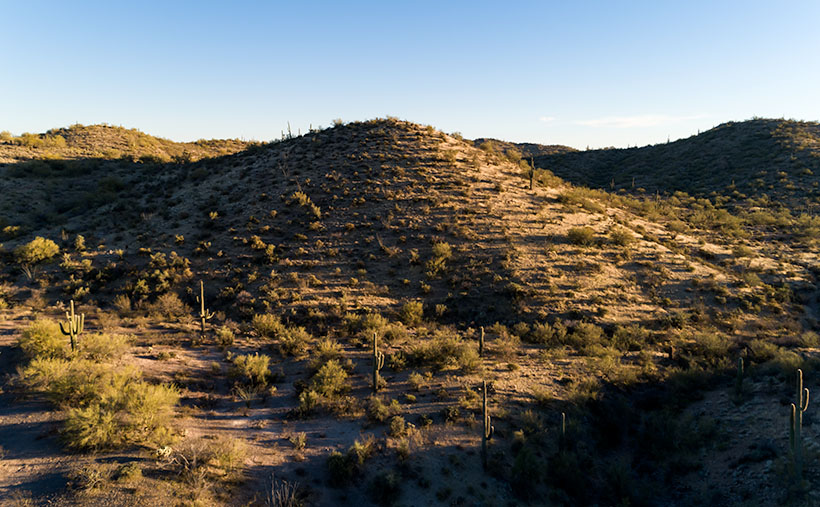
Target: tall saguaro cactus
(796,425)
(378,362)
(204,314)
(481,342)
(73,327)
(488,428)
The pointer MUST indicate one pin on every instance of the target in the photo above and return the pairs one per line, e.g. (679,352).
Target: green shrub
(108,408)
(102,346)
(398,426)
(326,350)
(378,410)
(705,349)
(253,368)
(133,413)
(168,306)
(224,337)
(294,341)
(267,325)
(330,380)
(541,333)
(585,335)
(36,251)
(43,339)
(584,236)
(621,237)
(446,350)
(411,313)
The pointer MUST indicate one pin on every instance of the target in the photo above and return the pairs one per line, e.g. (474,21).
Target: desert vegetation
(383,313)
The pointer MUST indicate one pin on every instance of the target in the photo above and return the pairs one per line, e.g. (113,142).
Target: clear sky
(609,73)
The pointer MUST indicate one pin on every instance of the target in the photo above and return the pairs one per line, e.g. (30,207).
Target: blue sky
(580,73)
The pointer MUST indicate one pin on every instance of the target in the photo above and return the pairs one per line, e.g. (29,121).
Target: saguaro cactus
(378,362)
(481,342)
(73,327)
(204,314)
(739,378)
(796,425)
(488,429)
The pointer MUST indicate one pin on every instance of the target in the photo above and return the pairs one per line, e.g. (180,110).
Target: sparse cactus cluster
(73,327)
(796,425)
(204,314)
(488,428)
(378,362)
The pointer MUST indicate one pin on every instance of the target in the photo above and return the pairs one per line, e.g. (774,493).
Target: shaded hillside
(109,142)
(778,158)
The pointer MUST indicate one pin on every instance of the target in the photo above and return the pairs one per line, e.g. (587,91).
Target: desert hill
(774,160)
(625,312)
(108,142)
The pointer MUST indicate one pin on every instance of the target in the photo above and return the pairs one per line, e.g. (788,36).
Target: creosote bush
(446,350)
(253,368)
(43,339)
(411,313)
(36,251)
(584,236)
(267,325)
(330,381)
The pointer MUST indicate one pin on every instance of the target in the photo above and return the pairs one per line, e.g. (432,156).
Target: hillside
(108,142)
(778,159)
(625,315)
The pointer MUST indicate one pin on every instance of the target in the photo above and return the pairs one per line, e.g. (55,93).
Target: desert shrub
(308,401)
(395,332)
(70,382)
(253,368)
(330,380)
(704,349)
(168,306)
(102,346)
(411,313)
(417,380)
(763,350)
(123,414)
(224,337)
(227,453)
(43,339)
(398,426)
(585,335)
(108,408)
(379,410)
(506,344)
(293,341)
(386,488)
(327,349)
(621,237)
(343,468)
(630,338)
(542,333)
(267,325)
(36,251)
(446,350)
(584,236)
